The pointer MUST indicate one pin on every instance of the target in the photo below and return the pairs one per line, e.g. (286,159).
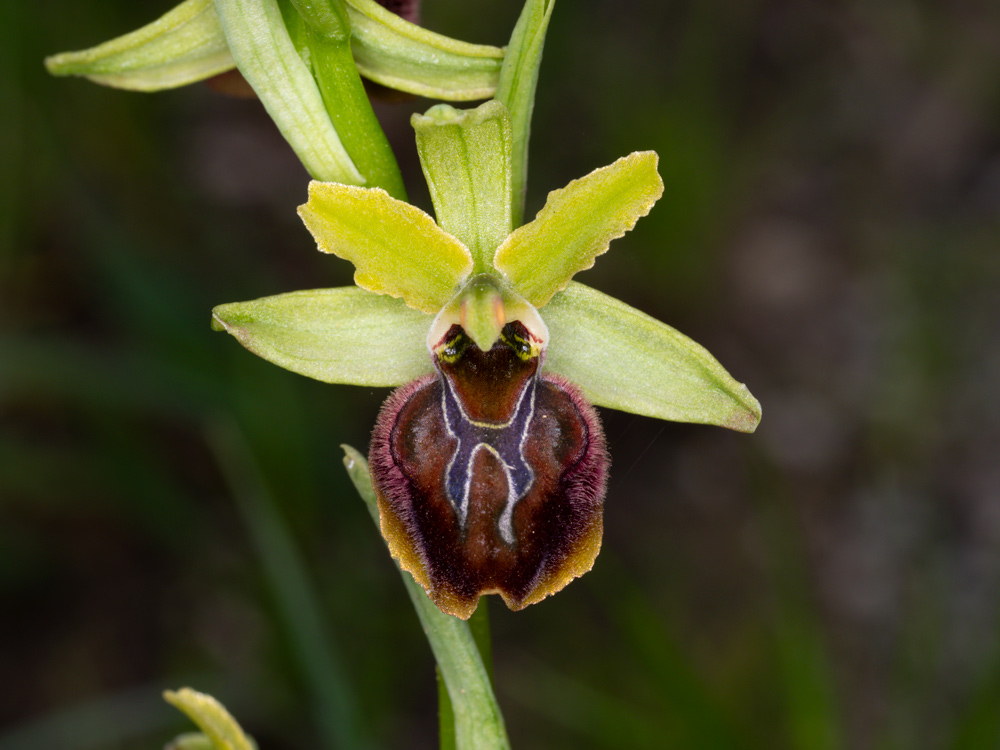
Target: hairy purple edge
(391,485)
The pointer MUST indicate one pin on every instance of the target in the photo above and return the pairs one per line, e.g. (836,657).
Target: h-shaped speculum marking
(505,440)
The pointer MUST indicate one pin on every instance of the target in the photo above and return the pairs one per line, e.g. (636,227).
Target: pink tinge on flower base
(490,475)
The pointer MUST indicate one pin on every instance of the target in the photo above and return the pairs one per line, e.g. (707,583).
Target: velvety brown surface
(557,525)
(488,386)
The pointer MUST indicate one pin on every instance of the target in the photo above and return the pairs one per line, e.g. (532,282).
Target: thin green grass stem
(293,592)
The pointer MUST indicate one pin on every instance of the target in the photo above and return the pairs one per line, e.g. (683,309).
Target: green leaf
(267,58)
(211,717)
(404,56)
(344,335)
(183,46)
(466,159)
(623,359)
(516,89)
(479,724)
(577,224)
(396,248)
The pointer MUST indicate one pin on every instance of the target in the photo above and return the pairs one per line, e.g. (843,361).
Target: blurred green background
(829,230)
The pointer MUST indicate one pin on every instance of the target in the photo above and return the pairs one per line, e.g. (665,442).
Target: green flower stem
(478,722)
(327,17)
(268,59)
(322,34)
(518,79)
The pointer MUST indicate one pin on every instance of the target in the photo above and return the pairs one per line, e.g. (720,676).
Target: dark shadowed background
(830,230)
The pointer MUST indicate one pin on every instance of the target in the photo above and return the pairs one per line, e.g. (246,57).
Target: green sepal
(267,58)
(396,248)
(187,45)
(183,46)
(401,55)
(465,156)
(577,224)
(344,335)
(211,717)
(623,359)
(516,88)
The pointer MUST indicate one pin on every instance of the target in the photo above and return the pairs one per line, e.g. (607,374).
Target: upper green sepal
(344,335)
(577,224)
(624,359)
(183,46)
(466,158)
(401,55)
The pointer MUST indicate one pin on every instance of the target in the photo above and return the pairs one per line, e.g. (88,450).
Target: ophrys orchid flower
(489,462)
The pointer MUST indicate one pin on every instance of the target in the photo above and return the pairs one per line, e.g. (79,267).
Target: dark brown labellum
(490,476)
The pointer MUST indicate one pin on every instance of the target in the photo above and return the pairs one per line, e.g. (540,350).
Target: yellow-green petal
(577,224)
(396,248)
(183,46)
(399,54)
(624,359)
(344,335)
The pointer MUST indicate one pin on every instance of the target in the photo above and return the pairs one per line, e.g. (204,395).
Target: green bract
(619,357)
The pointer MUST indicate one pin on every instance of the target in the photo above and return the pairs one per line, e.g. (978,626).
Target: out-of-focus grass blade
(285,571)
(604,719)
(803,662)
(979,725)
(702,719)
(127,380)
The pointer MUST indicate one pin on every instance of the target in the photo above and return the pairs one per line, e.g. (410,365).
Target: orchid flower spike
(489,463)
